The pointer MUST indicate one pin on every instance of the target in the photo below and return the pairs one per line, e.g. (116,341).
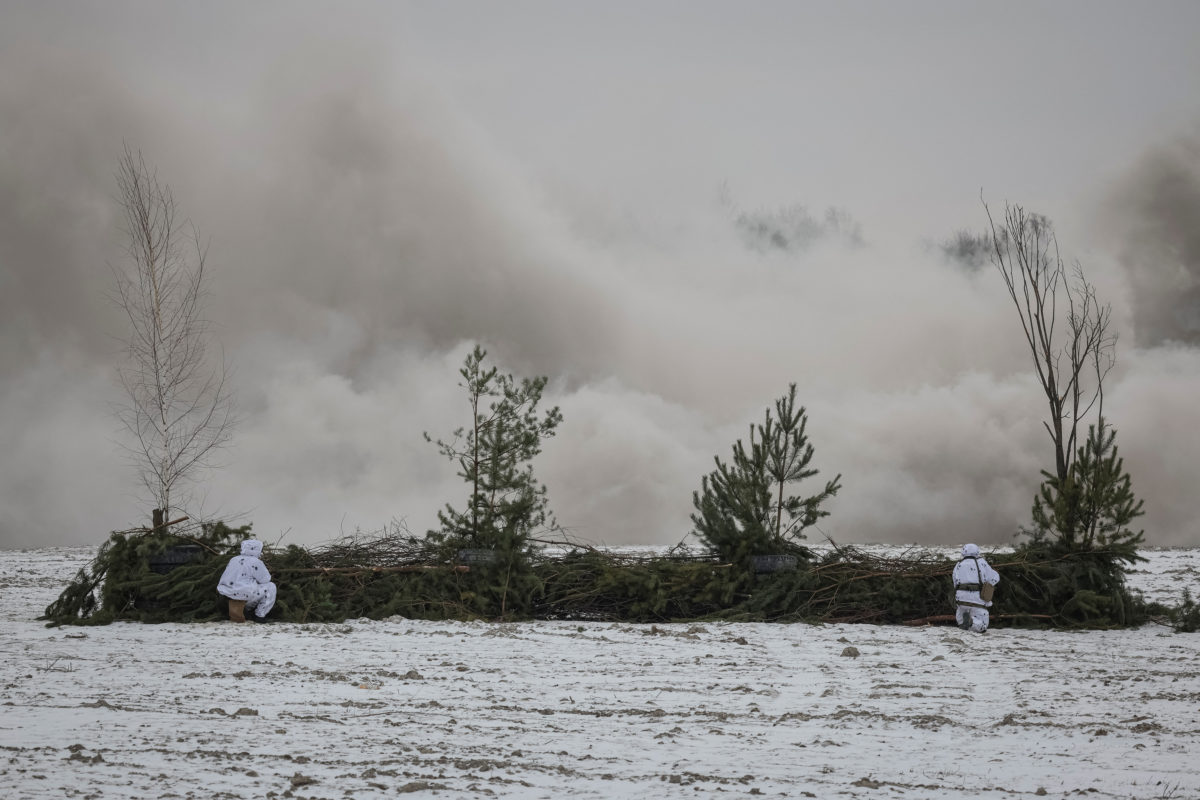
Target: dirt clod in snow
(419,786)
(301,780)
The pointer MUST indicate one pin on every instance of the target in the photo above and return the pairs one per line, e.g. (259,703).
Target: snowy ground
(550,710)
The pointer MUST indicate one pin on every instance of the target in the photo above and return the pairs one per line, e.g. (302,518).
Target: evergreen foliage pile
(1074,587)
(591,584)
(395,574)
(121,582)
(1185,618)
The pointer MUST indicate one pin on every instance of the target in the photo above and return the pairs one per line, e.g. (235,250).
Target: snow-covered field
(531,710)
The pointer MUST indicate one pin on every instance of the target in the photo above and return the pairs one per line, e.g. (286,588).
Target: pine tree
(743,508)
(1082,538)
(507,503)
(1095,505)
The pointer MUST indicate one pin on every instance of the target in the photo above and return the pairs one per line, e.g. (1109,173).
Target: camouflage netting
(161,577)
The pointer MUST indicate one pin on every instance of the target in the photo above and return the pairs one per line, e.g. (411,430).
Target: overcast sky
(578,187)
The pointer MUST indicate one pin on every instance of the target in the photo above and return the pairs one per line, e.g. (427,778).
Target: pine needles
(394,574)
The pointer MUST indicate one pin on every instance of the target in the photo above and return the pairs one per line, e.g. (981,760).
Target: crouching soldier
(973,582)
(247,584)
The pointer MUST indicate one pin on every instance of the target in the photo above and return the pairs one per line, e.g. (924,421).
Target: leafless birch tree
(178,409)
(1065,325)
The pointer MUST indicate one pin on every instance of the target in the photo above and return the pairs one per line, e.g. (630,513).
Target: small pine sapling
(494,456)
(744,508)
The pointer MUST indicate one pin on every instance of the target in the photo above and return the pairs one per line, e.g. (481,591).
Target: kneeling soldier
(973,582)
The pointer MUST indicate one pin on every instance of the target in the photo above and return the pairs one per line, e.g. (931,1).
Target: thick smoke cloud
(364,231)
(1154,221)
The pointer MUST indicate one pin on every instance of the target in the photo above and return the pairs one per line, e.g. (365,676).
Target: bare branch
(178,409)
(1073,353)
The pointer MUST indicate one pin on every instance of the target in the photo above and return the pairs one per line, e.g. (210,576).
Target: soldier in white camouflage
(973,579)
(247,583)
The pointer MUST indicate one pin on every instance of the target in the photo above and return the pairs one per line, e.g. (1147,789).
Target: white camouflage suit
(972,571)
(246,578)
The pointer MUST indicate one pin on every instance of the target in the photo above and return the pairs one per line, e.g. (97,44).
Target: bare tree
(178,408)
(1065,325)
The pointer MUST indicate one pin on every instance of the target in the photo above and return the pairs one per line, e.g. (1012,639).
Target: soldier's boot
(237,610)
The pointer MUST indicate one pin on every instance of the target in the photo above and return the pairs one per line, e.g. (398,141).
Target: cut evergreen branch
(394,574)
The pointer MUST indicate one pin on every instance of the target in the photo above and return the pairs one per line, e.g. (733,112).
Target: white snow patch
(556,709)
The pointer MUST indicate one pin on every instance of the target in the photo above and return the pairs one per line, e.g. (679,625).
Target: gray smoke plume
(1155,217)
(365,228)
